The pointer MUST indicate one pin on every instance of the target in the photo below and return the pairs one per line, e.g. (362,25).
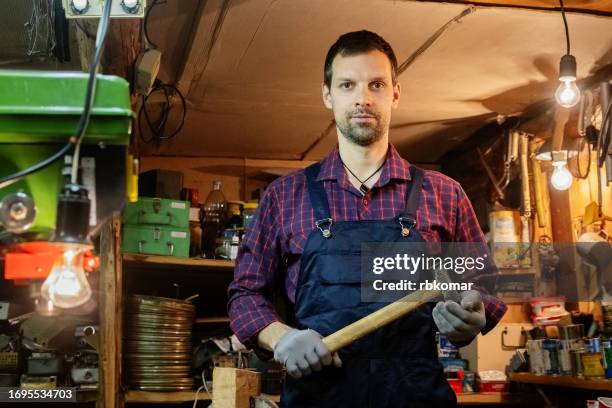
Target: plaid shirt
(285,218)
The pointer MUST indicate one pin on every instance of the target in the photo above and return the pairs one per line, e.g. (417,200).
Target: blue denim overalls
(393,367)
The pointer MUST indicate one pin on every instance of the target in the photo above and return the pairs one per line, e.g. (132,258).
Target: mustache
(363,112)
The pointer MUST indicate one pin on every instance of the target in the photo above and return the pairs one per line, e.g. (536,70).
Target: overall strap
(318,199)
(408,219)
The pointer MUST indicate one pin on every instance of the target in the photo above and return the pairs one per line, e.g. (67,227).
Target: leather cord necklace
(363,188)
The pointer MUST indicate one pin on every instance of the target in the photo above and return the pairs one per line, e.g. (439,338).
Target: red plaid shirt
(285,218)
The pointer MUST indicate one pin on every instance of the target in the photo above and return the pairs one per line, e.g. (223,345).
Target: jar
(248,214)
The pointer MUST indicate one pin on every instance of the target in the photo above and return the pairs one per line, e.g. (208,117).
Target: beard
(362,134)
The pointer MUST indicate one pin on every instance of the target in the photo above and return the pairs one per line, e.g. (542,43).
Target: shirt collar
(395,167)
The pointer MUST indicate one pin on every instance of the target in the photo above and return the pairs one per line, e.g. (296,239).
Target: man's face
(361,96)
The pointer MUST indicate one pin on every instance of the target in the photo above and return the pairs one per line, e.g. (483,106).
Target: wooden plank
(600,7)
(171,260)
(206,27)
(164,397)
(207,320)
(563,381)
(110,313)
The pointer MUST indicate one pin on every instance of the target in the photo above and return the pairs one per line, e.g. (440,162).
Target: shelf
(516,271)
(176,261)
(186,396)
(563,381)
(164,397)
(206,320)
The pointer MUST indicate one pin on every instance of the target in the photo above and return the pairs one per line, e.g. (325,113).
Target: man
(308,232)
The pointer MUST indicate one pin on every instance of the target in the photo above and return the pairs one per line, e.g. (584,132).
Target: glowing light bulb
(80,5)
(567,94)
(67,286)
(561,178)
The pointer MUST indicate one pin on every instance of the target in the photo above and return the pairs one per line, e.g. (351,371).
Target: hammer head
(441,276)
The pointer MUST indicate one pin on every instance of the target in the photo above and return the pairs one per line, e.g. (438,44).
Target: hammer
(389,313)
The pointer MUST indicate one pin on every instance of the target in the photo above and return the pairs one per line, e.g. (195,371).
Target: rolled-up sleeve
(250,307)
(467,229)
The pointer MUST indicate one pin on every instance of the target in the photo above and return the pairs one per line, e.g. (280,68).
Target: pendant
(364,189)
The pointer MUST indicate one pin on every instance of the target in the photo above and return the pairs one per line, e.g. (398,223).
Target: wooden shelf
(176,261)
(161,397)
(563,381)
(206,320)
(186,396)
(516,271)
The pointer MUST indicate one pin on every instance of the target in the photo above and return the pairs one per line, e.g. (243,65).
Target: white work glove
(302,352)
(460,322)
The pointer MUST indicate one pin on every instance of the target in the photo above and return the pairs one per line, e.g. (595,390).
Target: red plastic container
(493,386)
(456,384)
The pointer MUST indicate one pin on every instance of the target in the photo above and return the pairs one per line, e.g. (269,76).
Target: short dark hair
(358,42)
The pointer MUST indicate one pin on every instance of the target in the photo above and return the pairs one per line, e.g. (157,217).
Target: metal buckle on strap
(407,223)
(324,226)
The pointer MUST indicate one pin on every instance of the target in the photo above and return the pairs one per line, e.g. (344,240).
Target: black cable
(85,116)
(604,137)
(158,127)
(145,24)
(567,37)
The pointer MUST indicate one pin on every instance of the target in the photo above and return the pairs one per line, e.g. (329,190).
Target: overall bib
(395,366)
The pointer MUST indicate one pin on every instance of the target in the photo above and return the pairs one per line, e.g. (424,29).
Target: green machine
(39,113)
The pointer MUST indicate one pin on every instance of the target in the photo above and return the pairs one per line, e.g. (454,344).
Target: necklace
(363,188)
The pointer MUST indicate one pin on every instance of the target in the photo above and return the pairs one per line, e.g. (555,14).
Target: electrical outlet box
(93,8)
(147,67)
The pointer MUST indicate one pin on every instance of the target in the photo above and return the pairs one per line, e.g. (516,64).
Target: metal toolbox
(157,211)
(156,240)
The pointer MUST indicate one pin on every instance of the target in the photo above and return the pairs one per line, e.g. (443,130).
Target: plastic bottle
(213,219)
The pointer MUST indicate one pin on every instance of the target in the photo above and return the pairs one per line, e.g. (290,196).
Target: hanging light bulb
(67,286)
(561,178)
(567,94)
(79,6)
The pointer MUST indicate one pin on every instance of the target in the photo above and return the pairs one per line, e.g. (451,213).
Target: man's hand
(460,323)
(302,352)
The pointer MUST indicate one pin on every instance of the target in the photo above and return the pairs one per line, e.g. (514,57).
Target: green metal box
(157,211)
(156,240)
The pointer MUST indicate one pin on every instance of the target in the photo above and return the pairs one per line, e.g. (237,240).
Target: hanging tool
(389,313)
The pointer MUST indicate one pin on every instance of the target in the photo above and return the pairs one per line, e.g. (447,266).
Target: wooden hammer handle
(379,318)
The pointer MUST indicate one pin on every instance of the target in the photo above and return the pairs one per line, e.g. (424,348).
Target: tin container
(592,364)
(536,356)
(594,345)
(565,361)
(550,349)
(571,331)
(576,360)
(607,352)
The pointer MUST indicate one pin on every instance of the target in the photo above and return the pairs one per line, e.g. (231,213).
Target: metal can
(594,345)
(592,364)
(565,362)
(607,351)
(551,356)
(536,357)
(576,360)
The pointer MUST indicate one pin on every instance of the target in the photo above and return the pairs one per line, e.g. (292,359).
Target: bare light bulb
(67,286)
(561,178)
(130,3)
(567,94)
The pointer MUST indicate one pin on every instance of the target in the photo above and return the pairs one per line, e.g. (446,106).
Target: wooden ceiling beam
(599,7)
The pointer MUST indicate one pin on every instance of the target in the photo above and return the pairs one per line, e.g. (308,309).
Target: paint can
(565,361)
(607,352)
(576,360)
(594,345)
(551,356)
(592,364)
(536,356)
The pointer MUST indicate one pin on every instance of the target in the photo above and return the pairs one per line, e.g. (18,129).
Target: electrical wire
(85,116)
(203,386)
(567,37)
(158,127)
(91,88)
(150,44)
(603,141)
